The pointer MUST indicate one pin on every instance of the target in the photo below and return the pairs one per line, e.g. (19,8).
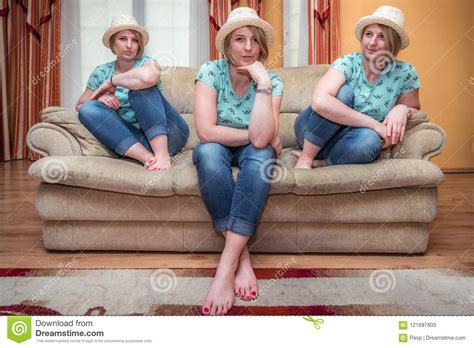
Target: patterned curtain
(219,11)
(29,69)
(323,31)
(257,5)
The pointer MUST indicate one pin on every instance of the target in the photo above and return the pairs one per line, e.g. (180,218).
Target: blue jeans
(339,144)
(234,206)
(155,115)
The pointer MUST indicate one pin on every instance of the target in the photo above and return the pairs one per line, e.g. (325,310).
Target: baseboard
(457,170)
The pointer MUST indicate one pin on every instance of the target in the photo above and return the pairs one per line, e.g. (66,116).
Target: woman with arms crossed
(237,107)
(123,106)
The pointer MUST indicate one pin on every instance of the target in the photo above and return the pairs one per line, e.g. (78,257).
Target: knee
(209,156)
(91,111)
(260,155)
(346,95)
(369,146)
(142,93)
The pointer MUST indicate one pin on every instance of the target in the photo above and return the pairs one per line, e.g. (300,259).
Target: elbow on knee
(258,144)
(317,105)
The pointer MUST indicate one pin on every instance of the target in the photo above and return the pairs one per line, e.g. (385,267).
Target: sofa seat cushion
(379,175)
(126,176)
(103,173)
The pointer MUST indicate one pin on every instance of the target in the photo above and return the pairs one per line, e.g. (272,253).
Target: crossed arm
(263,125)
(143,77)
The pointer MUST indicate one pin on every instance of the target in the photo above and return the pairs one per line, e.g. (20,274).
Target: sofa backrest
(299,83)
(178,87)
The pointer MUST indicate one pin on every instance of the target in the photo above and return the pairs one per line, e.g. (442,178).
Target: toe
(213,310)
(243,294)
(254,291)
(206,307)
(219,310)
(248,293)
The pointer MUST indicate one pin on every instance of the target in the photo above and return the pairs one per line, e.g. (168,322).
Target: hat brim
(229,27)
(113,30)
(368,20)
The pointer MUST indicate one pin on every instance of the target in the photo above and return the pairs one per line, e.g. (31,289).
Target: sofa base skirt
(292,237)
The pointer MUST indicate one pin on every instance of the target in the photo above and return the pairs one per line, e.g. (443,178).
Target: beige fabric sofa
(91,200)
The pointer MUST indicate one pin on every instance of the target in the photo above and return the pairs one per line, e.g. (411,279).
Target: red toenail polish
(206,310)
(254,293)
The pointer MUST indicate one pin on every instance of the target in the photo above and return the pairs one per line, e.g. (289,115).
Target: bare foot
(245,281)
(158,163)
(220,297)
(163,161)
(315,163)
(150,164)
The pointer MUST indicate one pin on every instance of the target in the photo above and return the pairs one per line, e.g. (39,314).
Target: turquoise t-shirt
(103,72)
(232,111)
(376,100)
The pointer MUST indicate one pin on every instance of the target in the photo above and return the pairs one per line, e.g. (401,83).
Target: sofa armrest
(48,139)
(61,134)
(422,141)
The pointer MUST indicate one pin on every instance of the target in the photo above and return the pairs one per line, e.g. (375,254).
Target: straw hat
(242,17)
(386,15)
(124,22)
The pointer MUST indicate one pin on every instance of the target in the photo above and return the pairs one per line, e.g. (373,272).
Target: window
(179,36)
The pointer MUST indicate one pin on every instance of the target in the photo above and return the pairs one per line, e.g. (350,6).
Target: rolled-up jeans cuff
(314,139)
(240,226)
(155,131)
(124,145)
(220,225)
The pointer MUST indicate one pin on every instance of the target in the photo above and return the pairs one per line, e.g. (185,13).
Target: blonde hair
(259,35)
(138,36)
(392,40)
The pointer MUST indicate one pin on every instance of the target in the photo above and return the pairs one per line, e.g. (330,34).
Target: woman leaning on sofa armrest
(123,106)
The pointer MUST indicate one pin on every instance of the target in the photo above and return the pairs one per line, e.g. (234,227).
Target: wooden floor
(451,241)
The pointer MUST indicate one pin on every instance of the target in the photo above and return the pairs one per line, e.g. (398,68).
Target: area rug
(282,292)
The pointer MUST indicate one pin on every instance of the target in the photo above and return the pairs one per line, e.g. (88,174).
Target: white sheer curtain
(199,51)
(296,33)
(179,36)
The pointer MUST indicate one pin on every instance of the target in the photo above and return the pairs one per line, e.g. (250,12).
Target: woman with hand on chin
(237,108)
(362,104)
(123,106)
